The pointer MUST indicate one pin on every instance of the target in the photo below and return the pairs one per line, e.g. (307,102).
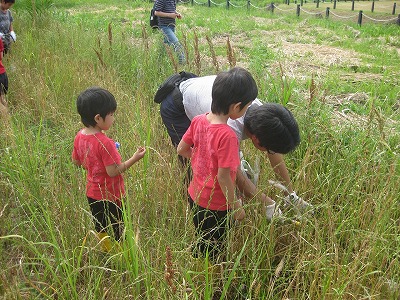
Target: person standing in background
(166,12)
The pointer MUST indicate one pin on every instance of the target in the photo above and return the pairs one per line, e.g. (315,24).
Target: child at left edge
(3,78)
(7,33)
(98,154)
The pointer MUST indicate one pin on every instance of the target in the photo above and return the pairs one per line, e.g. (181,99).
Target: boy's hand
(139,154)
(178,15)
(239,214)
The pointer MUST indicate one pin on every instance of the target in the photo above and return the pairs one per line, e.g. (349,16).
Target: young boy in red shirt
(98,154)
(213,149)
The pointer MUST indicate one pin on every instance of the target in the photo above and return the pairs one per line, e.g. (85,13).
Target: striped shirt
(167,6)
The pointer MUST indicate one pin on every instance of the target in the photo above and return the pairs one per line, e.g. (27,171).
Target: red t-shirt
(2,68)
(214,146)
(95,152)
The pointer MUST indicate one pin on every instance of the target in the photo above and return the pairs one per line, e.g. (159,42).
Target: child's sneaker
(104,241)
(296,201)
(272,211)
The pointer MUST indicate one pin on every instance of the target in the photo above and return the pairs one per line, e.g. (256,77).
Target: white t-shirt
(197,98)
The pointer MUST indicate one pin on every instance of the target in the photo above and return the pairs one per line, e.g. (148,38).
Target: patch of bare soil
(343,115)
(303,60)
(346,115)
(106,10)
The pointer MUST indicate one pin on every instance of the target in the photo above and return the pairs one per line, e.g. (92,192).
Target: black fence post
(298,10)
(373,6)
(327,12)
(394,8)
(272,7)
(227,4)
(248,4)
(352,5)
(360,17)
(398,20)
(209,3)
(301,2)
(334,4)
(287,2)
(317,3)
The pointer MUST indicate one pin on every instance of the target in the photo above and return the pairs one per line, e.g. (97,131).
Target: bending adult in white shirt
(271,127)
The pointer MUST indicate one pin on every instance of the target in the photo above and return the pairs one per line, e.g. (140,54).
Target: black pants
(211,229)
(3,83)
(106,215)
(175,120)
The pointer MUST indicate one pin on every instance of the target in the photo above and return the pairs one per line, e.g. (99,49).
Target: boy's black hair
(9,1)
(231,87)
(93,101)
(274,126)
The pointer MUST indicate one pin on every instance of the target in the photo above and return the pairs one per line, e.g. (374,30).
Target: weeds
(347,164)
(213,55)
(230,53)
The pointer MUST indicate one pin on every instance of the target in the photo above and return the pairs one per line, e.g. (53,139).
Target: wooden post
(352,5)
(334,4)
(373,6)
(298,10)
(327,12)
(394,8)
(360,17)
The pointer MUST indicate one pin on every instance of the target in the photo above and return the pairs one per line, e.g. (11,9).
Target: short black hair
(9,1)
(274,126)
(231,87)
(93,101)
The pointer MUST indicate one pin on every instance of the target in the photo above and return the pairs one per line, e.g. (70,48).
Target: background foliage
(342,83)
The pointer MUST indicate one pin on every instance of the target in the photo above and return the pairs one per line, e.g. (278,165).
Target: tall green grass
(347,164)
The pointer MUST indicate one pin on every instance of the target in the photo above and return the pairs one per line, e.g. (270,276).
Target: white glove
(298,202)
(13,36)
(272,211)
(1,35)
(252,174)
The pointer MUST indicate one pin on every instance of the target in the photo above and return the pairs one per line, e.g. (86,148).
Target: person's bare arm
(250,191)
(184,149)
(171,15)
(116,169)
(228,188)
(279,167)
(76,162)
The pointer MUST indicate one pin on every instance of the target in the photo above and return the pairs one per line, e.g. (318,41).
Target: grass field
(340,80)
